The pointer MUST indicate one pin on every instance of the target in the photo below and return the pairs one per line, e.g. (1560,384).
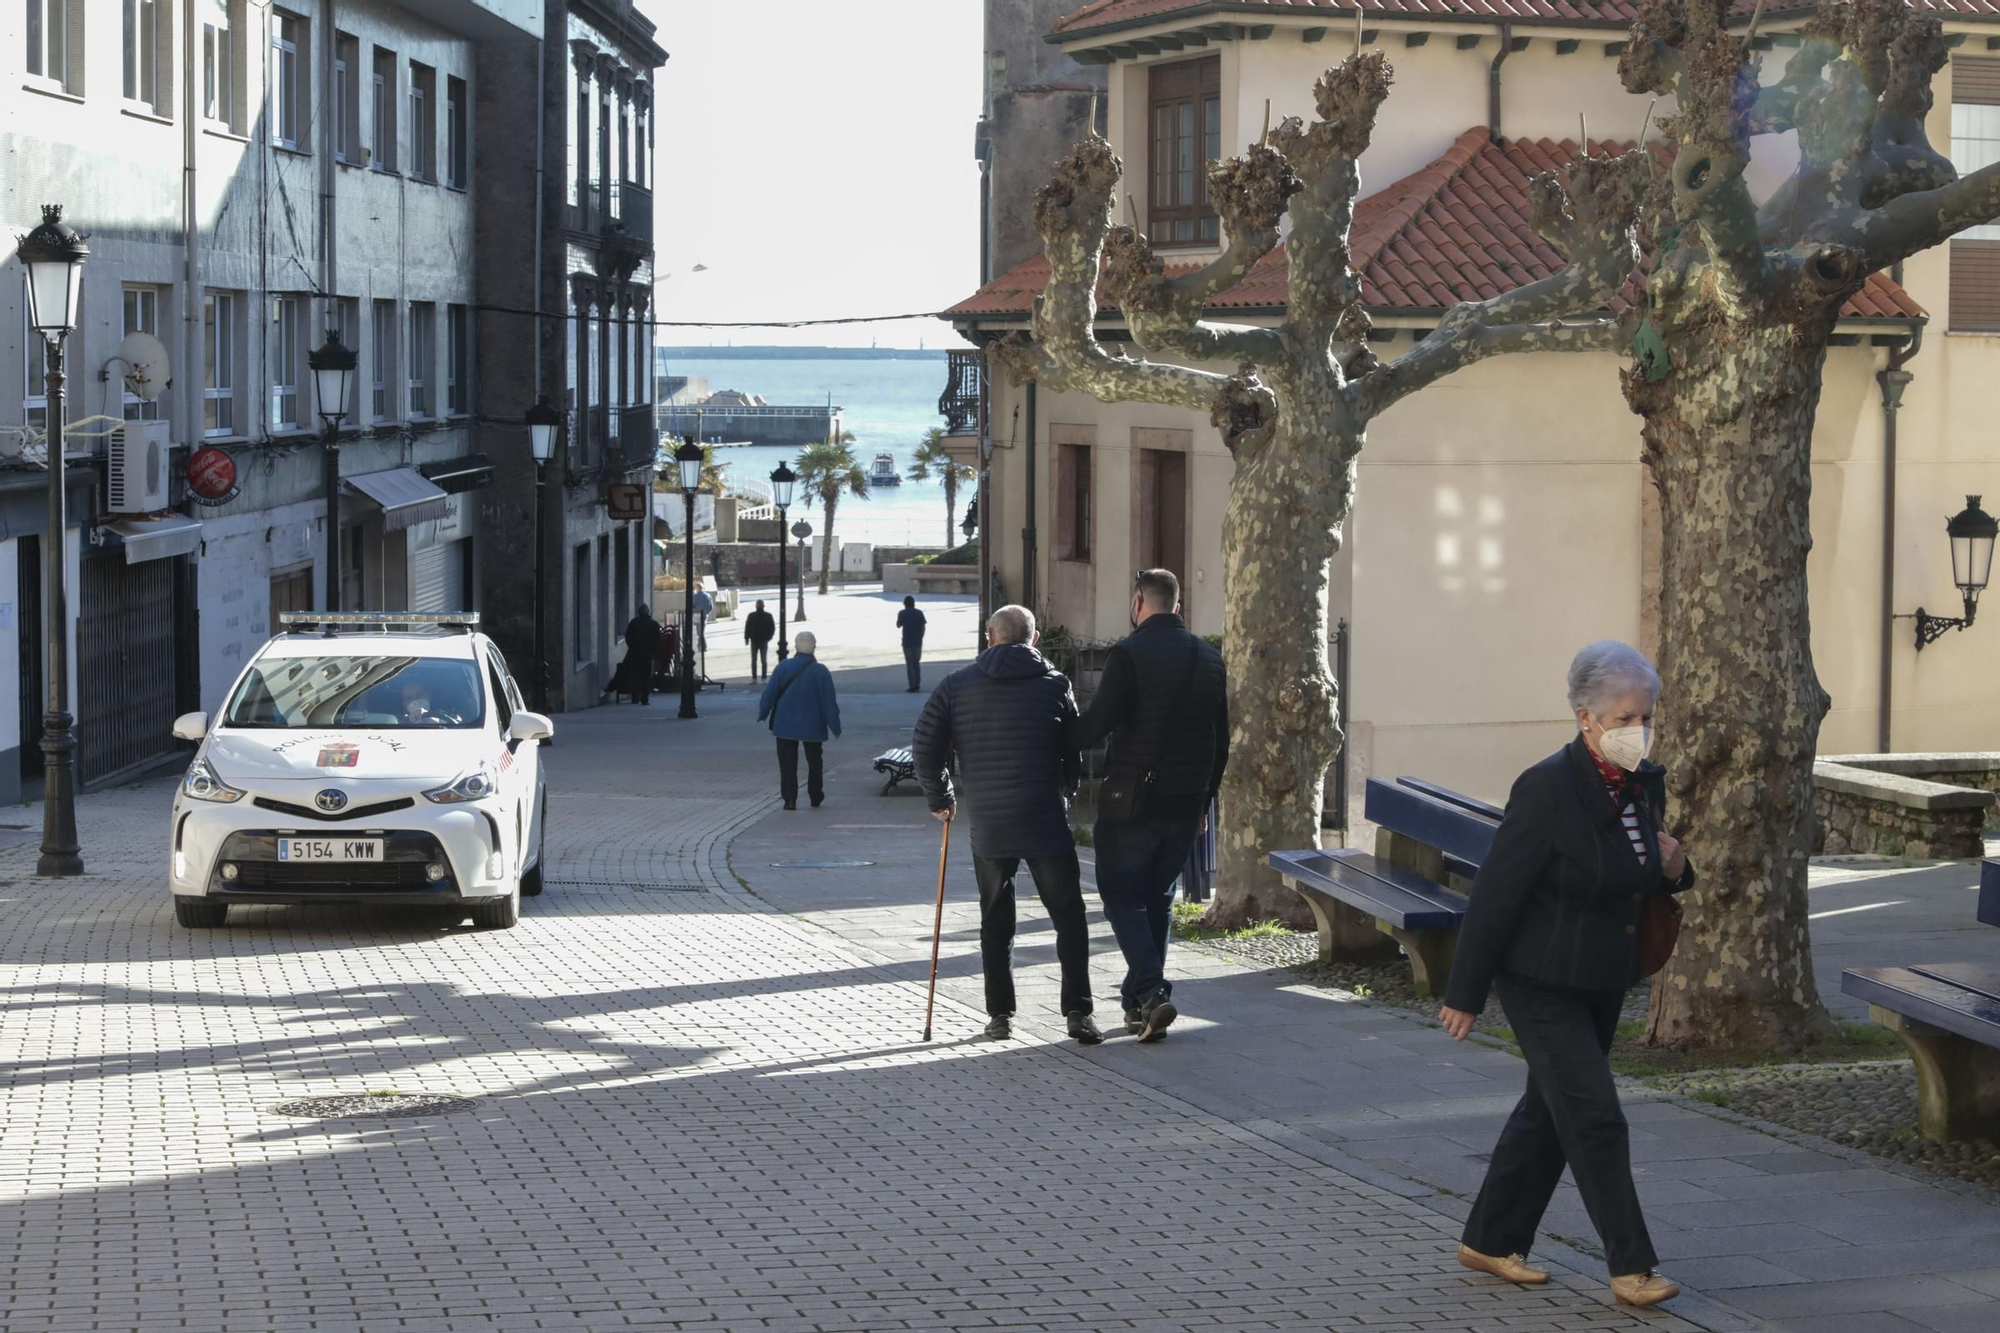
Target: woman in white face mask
(1555,926)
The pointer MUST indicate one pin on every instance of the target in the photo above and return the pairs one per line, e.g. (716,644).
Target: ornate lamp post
(802,530)
(543,423)
(53,255)
(688,456)
(332,366)
(783,480)
(1972,531)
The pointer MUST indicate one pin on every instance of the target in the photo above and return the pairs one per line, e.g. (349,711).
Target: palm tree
(932,458)
(714,475)
(829,469)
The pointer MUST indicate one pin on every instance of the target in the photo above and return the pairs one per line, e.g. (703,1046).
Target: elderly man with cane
(1004,728)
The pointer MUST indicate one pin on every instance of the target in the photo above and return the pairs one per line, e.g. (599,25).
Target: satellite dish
(147,371)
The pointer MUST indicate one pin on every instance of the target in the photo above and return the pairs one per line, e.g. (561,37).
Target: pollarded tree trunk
(1729,442)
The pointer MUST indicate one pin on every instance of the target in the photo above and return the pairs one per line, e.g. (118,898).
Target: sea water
(888,407)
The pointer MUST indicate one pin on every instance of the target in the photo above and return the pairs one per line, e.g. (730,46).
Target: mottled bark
(1744,299)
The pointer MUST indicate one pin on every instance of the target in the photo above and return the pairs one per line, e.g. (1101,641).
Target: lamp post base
(61,855)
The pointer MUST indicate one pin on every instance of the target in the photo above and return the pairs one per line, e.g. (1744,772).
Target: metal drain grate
(386,1105)
(672,887)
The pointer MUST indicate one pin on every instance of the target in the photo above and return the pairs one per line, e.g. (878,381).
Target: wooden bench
(900,767)
(1948,1015)
(1427,835)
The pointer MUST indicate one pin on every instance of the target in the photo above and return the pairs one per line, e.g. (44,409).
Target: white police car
(364,758)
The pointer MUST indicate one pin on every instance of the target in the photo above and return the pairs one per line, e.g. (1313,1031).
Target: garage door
(437,578)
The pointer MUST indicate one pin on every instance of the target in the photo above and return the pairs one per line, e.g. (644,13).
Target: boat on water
(884,472)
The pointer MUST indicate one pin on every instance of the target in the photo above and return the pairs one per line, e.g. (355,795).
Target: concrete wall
(1037,100)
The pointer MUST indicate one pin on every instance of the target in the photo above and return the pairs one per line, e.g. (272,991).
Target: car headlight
(202,784)
(476,785)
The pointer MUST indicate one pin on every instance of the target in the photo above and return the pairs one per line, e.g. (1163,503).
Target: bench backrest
(1449,797)
(1989,891)
(1460,833)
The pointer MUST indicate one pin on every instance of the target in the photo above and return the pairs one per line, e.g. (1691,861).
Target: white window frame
(382,358)
(34,373)
(457,360)
(144,85)
(384,106)
(346,107)
(141,314)
(422,160)
(218,336)
(289,79)
(218,67)
(1975,143)
(286,340)
(422,352)
(457,125)
(48,42)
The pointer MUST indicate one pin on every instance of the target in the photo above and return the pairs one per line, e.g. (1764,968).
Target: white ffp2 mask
(1626,747)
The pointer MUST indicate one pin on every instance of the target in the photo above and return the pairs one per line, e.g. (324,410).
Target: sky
(816,155)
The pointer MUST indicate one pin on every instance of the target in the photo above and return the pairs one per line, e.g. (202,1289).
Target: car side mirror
(191,726)
(527,726)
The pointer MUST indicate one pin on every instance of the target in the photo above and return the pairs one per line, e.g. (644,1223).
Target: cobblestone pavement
(688,1111)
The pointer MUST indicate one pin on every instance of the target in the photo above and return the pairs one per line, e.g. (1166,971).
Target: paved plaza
(696,1098)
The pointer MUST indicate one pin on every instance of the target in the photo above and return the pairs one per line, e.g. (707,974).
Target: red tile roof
(1457,230)
(1103,14)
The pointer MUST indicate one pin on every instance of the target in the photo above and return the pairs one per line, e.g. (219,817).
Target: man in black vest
(1162,703)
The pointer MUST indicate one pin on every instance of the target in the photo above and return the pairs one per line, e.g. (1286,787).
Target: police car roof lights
(463,622)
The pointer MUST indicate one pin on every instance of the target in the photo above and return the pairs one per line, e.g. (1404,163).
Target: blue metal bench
(1989,891)
(898,765)
(1427,835)
(1949,1017)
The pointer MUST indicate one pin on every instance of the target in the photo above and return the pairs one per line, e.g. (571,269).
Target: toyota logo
(331,800)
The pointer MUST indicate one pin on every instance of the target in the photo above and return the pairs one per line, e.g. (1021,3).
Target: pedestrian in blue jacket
(799,700)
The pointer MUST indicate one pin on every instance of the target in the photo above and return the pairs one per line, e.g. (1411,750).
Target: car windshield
(358,691)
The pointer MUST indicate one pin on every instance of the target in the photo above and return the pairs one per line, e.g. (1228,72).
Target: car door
(517,763)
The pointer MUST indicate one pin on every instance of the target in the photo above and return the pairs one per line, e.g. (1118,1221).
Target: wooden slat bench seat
(1948,1014)
(900,767)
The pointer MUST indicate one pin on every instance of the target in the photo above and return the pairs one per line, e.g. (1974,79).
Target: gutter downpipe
(541,212)
(1028,533)
(189,397)
(1493,80)
(1893,379)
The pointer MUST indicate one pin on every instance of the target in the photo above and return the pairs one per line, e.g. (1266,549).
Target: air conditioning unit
(137,459)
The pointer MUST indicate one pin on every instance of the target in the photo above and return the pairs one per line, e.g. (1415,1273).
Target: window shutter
(1975,81)
(1975,285)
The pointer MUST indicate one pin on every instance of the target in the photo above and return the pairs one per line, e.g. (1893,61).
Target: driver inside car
(417,704)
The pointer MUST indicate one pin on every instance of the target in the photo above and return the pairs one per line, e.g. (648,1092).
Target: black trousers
(1569,1114)
(1059,882)
(760,660)
(788,771)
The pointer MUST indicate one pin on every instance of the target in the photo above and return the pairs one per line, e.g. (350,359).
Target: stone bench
(1896,805)
(1948,1015)
(944,578)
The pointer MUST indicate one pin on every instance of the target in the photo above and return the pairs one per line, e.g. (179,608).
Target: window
(218,66)
(457,360)
(641,146)
(288,369)
(579,602)
(385,110)
(49,45)
(142,315)
(343,316)
(456,127)
(600,162)
(35,401)
(1073,502)
(423,347)
(423,122)
(291,590)
(1186,135)
(384,361)
(502,706)
(579,134)
(346,98)
(218,340)
(149,31)
(291,81)
(1975,143)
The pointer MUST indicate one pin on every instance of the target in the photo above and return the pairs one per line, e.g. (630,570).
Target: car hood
(371,756)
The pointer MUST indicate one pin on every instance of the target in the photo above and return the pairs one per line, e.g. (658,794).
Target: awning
(404,494)
(456,475)
(153,538)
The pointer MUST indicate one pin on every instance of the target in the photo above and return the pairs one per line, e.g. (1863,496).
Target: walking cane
(937,930)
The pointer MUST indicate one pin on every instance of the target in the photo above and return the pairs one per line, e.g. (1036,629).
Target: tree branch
(1914,222)
(1450,349)
(1326,155)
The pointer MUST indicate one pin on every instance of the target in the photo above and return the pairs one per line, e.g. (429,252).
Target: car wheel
(531,879)
(199,913)
(498,913)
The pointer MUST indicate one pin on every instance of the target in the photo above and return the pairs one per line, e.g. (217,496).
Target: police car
(364,758)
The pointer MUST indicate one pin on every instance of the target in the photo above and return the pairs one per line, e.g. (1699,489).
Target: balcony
(626,234)
(965,376)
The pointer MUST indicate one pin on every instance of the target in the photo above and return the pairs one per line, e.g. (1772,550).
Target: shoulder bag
(778,698)
(1123,796)
(1659,913)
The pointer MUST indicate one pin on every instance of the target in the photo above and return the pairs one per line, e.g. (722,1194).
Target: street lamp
(332,367)
(802,530)
(543,423)
(783,480)
(1971,531)
(53,255)
(688,456)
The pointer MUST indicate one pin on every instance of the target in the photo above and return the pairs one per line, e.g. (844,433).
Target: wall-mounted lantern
(1972,531)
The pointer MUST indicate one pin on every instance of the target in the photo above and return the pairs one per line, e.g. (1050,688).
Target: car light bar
(330,621)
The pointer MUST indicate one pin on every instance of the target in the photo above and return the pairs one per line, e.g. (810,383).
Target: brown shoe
(1647,1288)
(1511,1268)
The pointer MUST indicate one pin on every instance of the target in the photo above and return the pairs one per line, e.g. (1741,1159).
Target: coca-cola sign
(211,475)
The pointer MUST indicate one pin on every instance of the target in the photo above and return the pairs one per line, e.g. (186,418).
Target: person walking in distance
(758,631)
(704,607)
(1559,911)
(911,622)
(799,700)
(1004,727)
(634,676)
(1162,704)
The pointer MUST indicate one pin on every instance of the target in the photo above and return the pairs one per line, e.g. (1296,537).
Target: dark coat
(911,622)
(1004,727)
(642,640)
(1185,747)
(1557,899)
(799,699)
(758,627)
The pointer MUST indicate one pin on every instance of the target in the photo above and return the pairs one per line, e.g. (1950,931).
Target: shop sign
(211,476)
(625,501)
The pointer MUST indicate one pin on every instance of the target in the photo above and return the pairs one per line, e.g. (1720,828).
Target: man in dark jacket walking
(1162,702)
(911,622)
(758,631)
(635,674)
(1004,727)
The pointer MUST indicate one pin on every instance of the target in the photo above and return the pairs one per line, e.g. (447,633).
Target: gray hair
(807,642)
(1012,624)
(1606,669)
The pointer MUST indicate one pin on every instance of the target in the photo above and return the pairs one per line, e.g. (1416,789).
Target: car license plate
(329,849)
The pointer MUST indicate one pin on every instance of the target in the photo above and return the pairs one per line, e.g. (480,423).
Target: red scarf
(1615,778)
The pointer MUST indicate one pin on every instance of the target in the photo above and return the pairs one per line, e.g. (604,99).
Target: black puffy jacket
(1163,703)
(1004,728)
